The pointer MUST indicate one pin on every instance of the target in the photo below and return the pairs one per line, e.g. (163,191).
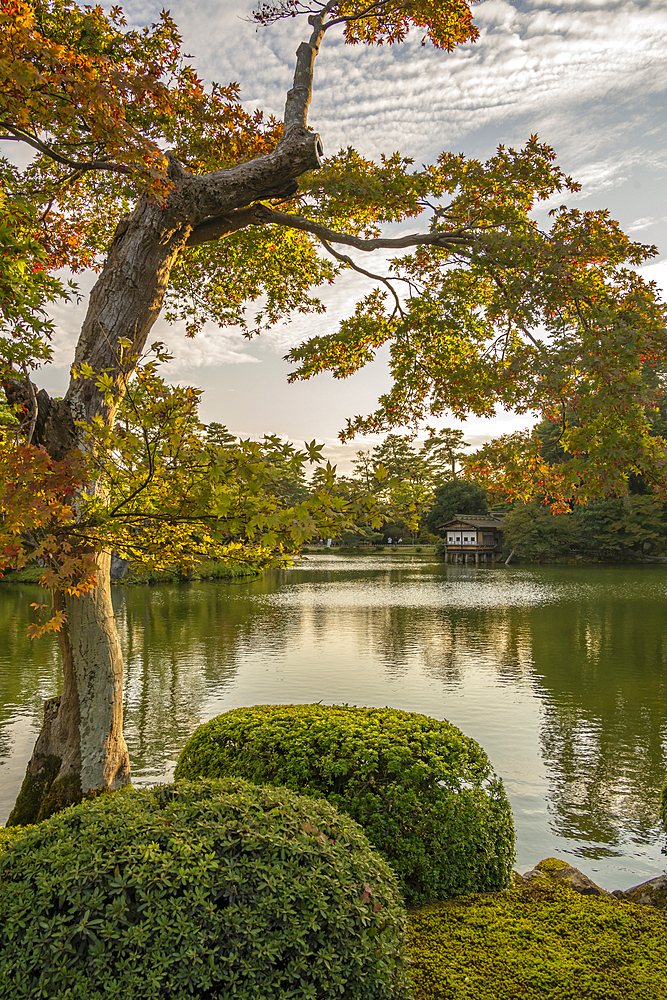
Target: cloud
(656,271)
(211,347)
(477,431)
(645,223)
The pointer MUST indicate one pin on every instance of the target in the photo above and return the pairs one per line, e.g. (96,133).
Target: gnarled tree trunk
(80,749)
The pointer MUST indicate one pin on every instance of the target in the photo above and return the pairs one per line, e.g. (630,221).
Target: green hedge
(207,890)
(424,793)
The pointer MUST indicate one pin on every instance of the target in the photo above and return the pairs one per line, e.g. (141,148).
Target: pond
(560,673)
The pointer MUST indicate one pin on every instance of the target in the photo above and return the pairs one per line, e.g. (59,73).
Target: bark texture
(80,749)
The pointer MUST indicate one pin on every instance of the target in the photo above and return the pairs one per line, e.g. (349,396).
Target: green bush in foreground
(213,890)
(542,943)
(8,834)
(424,793)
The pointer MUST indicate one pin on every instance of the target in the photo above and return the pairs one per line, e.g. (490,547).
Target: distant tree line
(419,489)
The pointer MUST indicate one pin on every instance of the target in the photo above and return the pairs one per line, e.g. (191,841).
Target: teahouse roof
(474,521)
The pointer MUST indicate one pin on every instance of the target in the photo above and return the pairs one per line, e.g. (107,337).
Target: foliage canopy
(188,205)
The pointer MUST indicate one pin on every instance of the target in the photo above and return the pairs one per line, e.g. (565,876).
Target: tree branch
(346,18)
(299,97)
(456,240)
(34,407)
(200,197)
(22,394)
(344,259)
(219,226)
(41,147)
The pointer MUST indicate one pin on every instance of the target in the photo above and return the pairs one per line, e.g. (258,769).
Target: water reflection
(560,673)
(605,730)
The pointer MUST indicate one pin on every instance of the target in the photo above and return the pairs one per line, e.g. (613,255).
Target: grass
(207,570)
(31,574)
(371,550)
(542,942)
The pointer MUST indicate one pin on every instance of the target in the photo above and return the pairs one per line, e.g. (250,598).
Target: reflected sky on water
(559,672)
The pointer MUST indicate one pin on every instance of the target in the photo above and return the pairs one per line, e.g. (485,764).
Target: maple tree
(187,204)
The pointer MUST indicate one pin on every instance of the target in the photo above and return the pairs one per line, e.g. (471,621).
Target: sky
(589,76)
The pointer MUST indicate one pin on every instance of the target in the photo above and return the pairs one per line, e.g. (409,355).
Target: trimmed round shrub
(425,794)
(213,890)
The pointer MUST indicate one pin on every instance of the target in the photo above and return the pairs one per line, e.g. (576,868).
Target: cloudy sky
(589,76)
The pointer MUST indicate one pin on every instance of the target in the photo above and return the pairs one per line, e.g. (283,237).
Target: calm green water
(560,673)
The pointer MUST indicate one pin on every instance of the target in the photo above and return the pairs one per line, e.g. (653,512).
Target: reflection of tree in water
(384,629)
(598,666)
(492,639)
(604,730)
(182,646)
(30,671)
(390,634)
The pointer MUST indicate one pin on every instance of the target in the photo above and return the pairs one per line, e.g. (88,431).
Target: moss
(41,795)
(542,943)
(551,865)
(35,787)
(653,893)
(63,793)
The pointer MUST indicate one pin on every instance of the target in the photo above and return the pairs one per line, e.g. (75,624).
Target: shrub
(663,805)
(211,890)
(425,793)
(8,834)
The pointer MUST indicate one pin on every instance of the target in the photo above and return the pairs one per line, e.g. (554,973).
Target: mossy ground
(542,942)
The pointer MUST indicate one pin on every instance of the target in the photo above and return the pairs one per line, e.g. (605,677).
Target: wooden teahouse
(478,535)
